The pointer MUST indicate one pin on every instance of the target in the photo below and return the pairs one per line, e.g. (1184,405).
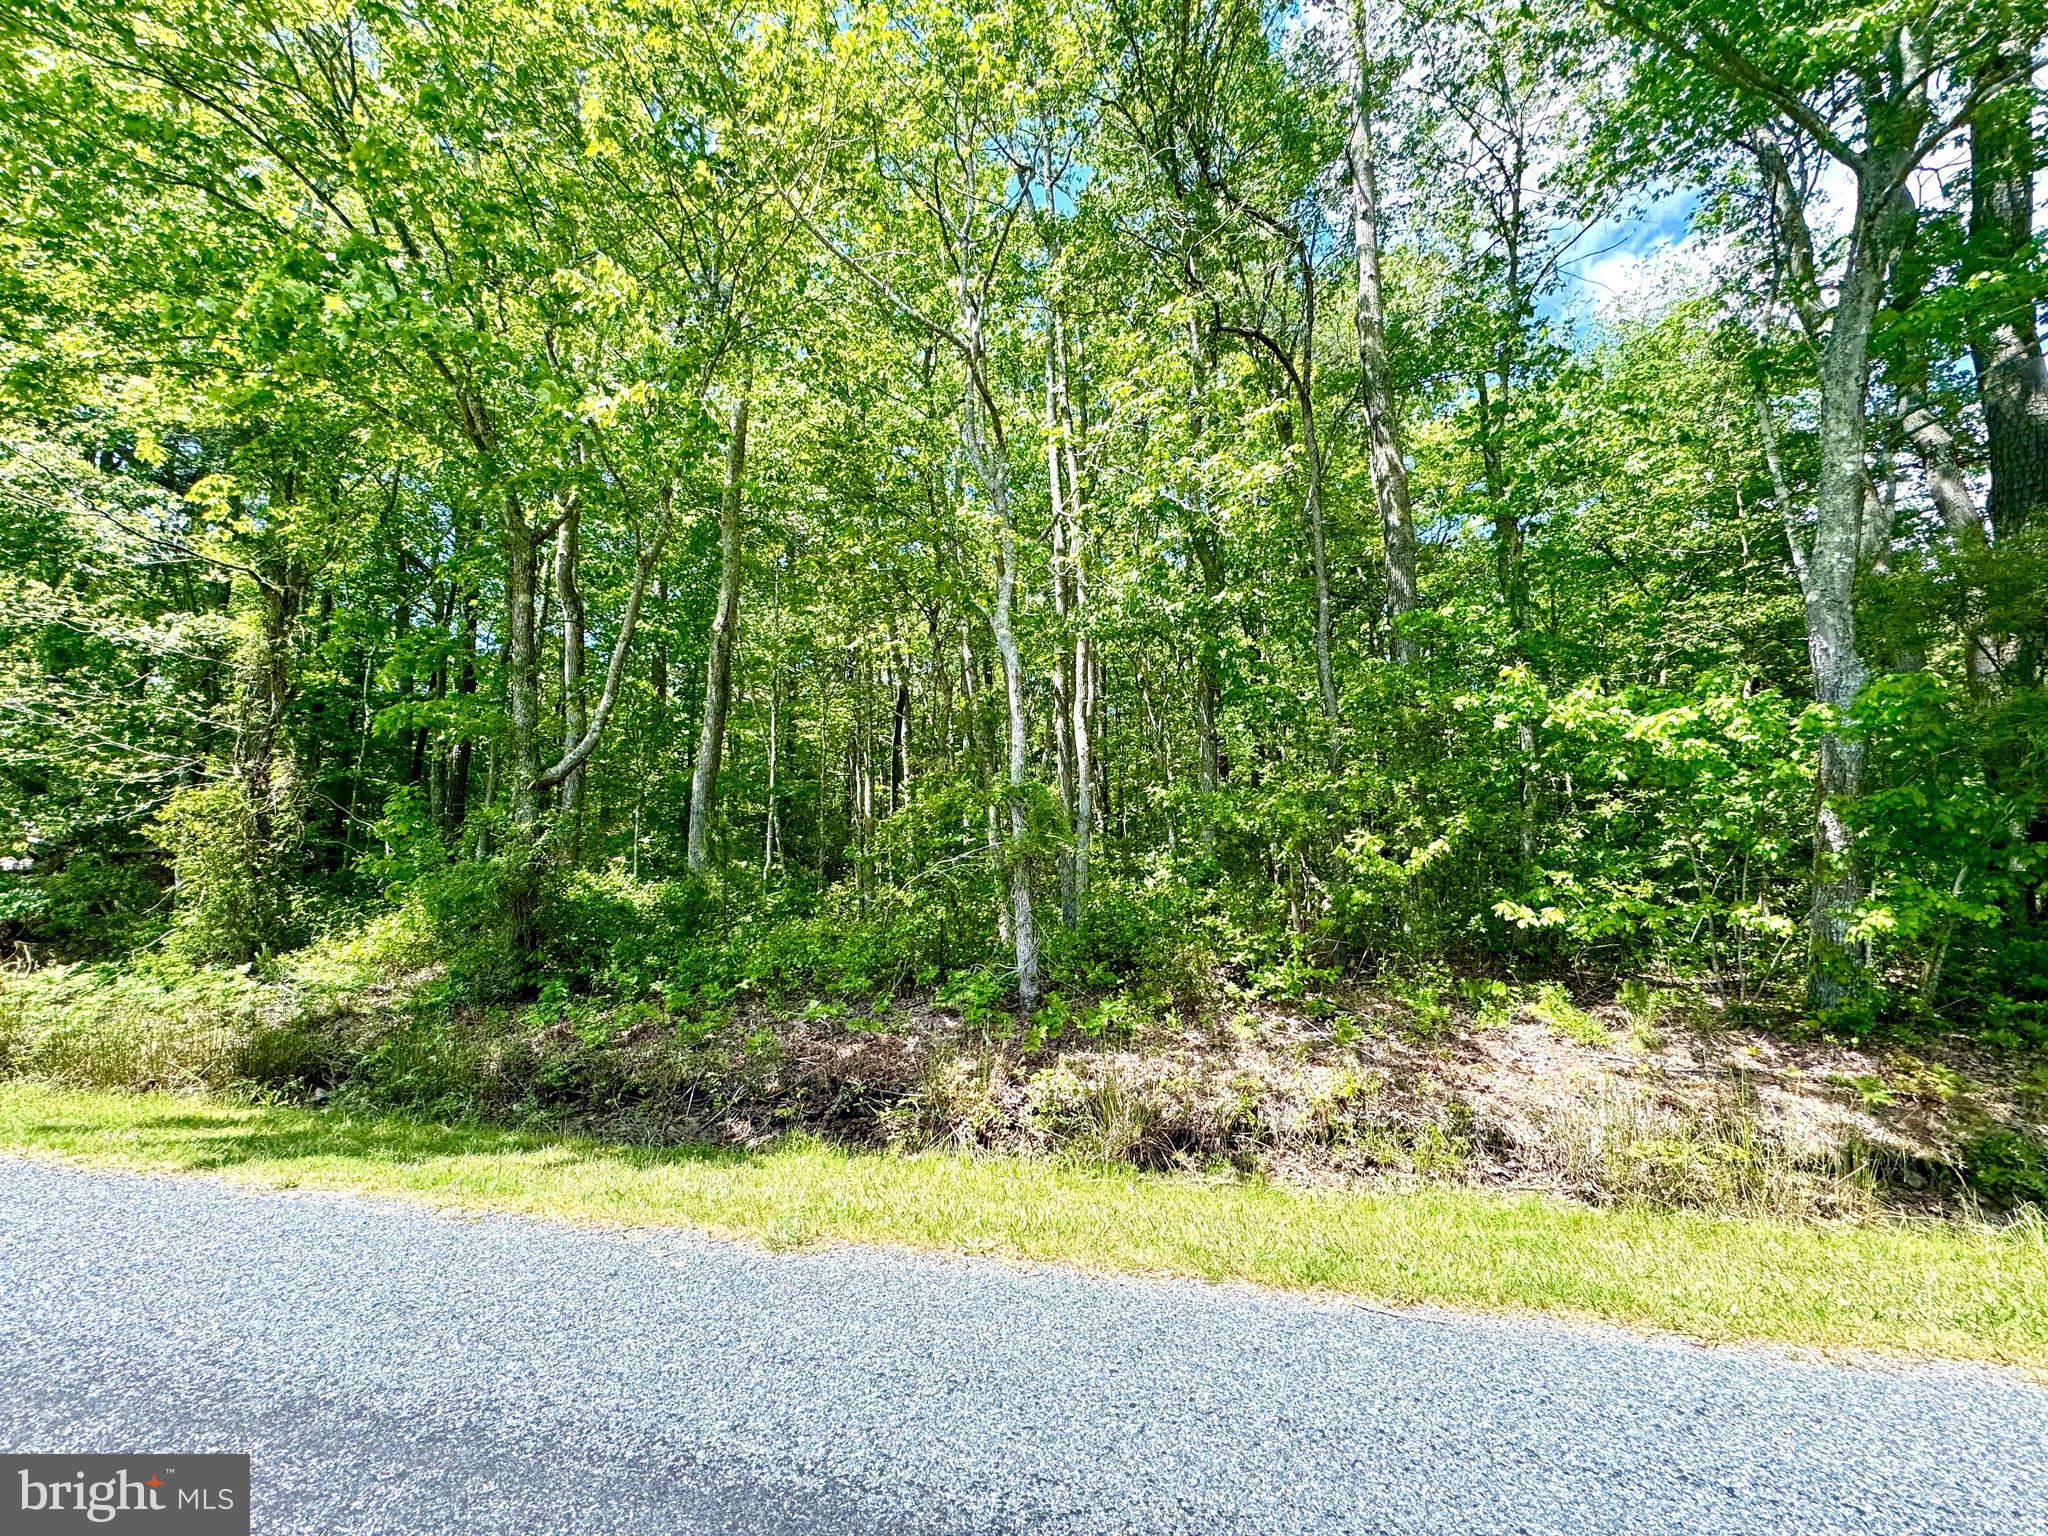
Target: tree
(1877,101)
(1383,423)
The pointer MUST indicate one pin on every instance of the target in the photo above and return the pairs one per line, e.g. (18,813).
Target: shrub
(2009,1168)
(234,900)
(88,907)
(480,914)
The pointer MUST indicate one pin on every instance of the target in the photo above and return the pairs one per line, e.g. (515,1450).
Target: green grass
(1956,1292)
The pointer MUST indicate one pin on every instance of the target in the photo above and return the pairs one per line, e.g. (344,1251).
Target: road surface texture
(395,1370)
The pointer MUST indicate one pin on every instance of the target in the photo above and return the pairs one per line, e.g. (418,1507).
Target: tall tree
(1388,469)
(725,620)
(1877,102)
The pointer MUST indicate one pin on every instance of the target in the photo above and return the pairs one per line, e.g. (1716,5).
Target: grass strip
(1953,1292)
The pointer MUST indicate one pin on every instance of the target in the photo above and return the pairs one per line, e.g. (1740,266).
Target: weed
(1554,1006)
(1492,1001)
(1429,1014)
(1625,1147)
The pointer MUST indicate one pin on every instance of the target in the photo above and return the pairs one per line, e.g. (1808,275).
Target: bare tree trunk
(1389,470)
(987,451)
(648,556)
(899,737)
(1083,699)
(266,689)
(1507,526)
(1208,666)
(1827,579)
(1023,925)
(1074,720)
(483,826)
(1326,672)
(981,750)
(824,751)
(1208,673)
(1936,447)
(1874,542)
(456,802)
(657,668)
(263,757)
(941,708)
(1064,772)
(522,667)
(774,720)
(860,797)
(724,623)
(1060,527)
(575,701)
(993,474)
(1084,772)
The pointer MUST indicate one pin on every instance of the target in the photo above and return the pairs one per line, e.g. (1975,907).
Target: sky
(1624,264)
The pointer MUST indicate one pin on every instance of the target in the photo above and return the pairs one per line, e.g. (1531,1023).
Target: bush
(234,900)
(88,907)
(481,914)
(1945,823)
(2008,1168)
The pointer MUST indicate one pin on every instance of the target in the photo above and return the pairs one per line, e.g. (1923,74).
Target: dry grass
(1622,1143)
(1641,1101)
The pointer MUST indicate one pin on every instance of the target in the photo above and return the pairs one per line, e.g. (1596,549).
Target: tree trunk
(575,701)
(657,668)
(1936,447)
(1023,925)
(993,473)
(981,751)
(522,668)
(1060,526)
(768,836)
(1208,668)
(1084,772)
(267,686)
(462,748)
(824,756)
(1208,651)
(724,624)
(1083,693)
(1389,471)
(987,451)
(1312,504)
(2011,379)
(1507,526)
(1828,585)
(899,738)
(1073,721)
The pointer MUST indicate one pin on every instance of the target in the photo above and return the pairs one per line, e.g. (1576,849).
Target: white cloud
(1625,283)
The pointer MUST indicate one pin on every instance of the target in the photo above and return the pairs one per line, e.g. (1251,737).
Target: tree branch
(615,670)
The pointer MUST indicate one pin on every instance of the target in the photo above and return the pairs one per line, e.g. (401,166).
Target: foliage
(233,901)
(371,474)
(2009,1168)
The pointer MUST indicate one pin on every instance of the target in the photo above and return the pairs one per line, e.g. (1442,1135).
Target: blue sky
(1623,262)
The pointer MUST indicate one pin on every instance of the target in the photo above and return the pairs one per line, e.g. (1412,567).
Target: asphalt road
(394,1370)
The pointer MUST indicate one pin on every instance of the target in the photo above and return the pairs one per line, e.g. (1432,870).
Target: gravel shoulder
(399,1370)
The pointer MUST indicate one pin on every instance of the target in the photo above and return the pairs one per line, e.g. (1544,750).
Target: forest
(785,564)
